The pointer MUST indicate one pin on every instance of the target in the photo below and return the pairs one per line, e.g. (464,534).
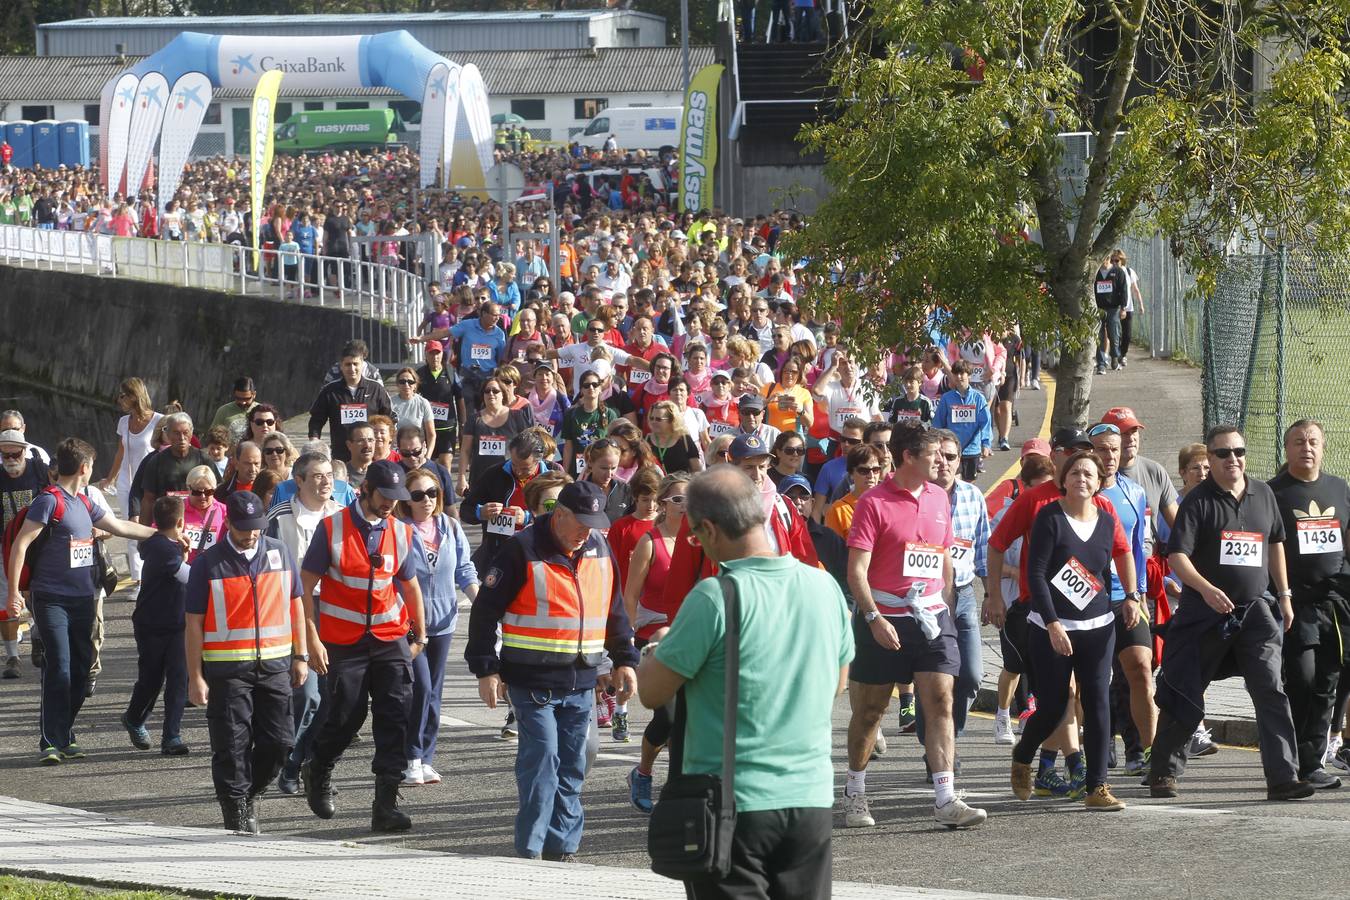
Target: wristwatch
(871,616)
(1134,595)
(302,657)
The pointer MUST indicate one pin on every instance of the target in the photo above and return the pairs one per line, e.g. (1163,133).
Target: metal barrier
(370,291)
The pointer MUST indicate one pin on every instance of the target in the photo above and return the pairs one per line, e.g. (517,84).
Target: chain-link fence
(1170,319)
(1275,334)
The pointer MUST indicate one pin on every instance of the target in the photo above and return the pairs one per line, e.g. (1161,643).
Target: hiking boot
(12,667)
(1022,780)
(139,734)
(252,811)
(1291,790)
(640,791)
(319,790)
(957,814)
(384,812)
(1162,786)
(234,816)
(288,781)
(174,746)
(1100,799)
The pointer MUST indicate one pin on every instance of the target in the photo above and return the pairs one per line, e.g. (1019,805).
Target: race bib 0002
(922,561)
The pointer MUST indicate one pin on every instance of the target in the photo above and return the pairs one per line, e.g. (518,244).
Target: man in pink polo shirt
(901,576)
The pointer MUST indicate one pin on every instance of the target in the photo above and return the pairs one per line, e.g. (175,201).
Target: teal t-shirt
(795,636)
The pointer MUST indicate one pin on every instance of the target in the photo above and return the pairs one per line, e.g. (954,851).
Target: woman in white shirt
(135,441)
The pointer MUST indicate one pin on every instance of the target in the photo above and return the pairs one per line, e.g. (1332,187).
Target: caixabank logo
(308,65)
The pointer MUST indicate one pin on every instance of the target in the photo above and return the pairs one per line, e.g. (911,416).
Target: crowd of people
(613,428)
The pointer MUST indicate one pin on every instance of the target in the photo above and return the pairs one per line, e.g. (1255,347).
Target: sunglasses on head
(1103,428)
(1226,452)
(428,494)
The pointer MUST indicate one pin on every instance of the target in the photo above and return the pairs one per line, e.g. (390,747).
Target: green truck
(338,129)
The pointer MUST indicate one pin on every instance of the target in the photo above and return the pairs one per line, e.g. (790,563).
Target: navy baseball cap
(747,446)
(586,501)
(245,511)
(794,481)
(1070,438)
(751,401)
(388,478)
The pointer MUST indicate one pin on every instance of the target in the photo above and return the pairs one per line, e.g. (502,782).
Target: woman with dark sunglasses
(443,565)
(789,453)
(262,421)
(203,514)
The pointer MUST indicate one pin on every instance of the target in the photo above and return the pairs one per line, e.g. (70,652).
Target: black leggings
(1091,663)
(657,732)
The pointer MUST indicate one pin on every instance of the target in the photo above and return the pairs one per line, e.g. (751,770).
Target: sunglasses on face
(428,494)
(589,384)
(491,391)
(677,499)
(595,331)
(850,442)
(1226,452)
(408,381)
(17,454)
(662,418)
(793,451)
(203,492)
(275,451)
(264,422)
(951,457)
(869,470)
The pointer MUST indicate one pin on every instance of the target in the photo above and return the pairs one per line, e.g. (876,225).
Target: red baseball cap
(1036,445)
(1123,418)
(434,345)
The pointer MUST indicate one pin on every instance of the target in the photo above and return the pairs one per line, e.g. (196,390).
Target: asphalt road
(1219,839)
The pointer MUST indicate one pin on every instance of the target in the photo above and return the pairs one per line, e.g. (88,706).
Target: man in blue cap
(554,589)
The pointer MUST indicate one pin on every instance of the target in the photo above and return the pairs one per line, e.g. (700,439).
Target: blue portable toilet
(74,143)
(20,137)
(46,144)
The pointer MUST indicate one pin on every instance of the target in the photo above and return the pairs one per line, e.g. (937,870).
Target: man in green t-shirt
(795,646)
(23,205)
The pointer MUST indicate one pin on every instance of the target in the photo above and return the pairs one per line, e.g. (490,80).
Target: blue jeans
(967,622)
(304,708)
(550,768)
(66,625)
(1108,339)
(424,721)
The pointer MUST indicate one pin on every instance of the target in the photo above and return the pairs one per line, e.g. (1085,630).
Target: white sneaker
(856,813)
(1003,730)
(412,775)
(958,815)
(1334,744)
(430,775)
(879,747)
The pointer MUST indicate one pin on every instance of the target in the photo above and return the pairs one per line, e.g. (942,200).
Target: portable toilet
(20,137)
(46,144)
(74,143)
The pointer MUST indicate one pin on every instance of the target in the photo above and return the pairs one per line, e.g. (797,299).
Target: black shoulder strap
(732,614)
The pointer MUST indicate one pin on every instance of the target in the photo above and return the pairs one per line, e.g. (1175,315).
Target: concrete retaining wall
(84,334)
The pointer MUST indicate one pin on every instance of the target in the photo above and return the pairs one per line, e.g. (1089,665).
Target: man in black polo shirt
(1314,507)
(1227,547)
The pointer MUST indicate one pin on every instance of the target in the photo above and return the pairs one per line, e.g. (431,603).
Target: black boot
(384,813)
(253,809)
(319,789)
(234,813)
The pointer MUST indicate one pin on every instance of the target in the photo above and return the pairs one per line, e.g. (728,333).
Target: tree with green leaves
(1208,122)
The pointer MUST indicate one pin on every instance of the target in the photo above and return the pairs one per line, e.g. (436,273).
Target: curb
(1234,732)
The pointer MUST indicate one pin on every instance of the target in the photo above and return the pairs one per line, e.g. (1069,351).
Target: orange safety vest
(249,616)
(559,616)
(355,597)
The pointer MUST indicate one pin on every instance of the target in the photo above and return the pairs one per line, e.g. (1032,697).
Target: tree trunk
(1073,379)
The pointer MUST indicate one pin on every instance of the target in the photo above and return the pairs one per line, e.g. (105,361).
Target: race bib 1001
(81,553)
(351,413)
(923,561)
(1240,548)
(491,446)
(1316,536)
(1076,583)
(963,414)
(440,412)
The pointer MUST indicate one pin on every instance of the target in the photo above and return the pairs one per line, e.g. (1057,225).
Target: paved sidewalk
(54,841)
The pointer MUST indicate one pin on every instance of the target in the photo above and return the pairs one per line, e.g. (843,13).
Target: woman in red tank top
(644,593)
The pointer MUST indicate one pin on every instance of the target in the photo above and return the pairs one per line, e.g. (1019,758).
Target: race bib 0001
(1240,548)
(1076,583)
(1317,536)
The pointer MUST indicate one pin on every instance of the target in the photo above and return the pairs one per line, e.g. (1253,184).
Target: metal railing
(368,290)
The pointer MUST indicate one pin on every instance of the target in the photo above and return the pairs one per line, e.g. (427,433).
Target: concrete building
(554,70)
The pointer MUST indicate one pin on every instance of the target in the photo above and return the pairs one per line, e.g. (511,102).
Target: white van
(635,128)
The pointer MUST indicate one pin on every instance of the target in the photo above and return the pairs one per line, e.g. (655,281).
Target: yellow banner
(262,125)
(698,140)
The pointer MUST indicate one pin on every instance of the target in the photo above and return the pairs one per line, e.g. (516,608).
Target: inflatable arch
(164,97)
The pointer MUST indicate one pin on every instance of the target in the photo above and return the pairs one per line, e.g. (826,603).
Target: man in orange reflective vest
(365,565)
(554,589)
(245,652)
